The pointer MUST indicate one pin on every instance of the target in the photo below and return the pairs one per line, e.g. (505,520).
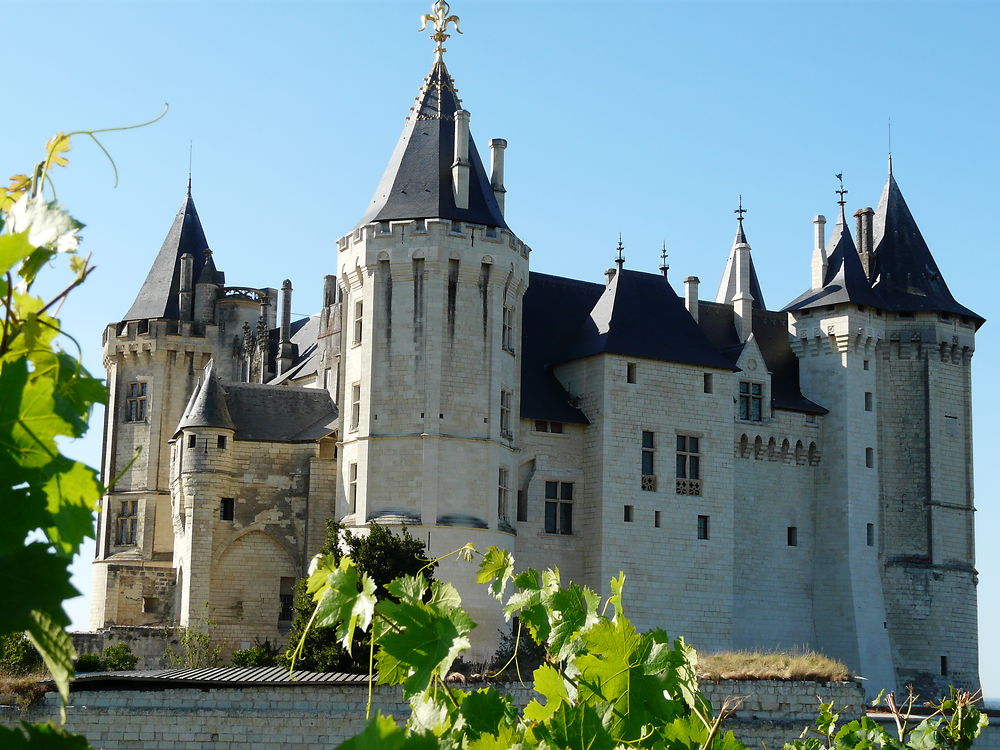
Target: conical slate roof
(905,274)
(730,277)
(417,182)
(640,315)
(207,406)
(845,279)
(158,296)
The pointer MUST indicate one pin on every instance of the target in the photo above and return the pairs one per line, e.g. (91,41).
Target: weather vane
(440,18)
(664,266)
(841,192)
(620,260)
(740,211)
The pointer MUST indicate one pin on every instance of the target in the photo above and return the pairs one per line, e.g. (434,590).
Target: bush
(89,663)
(261,654)
(118,658)
(18,656)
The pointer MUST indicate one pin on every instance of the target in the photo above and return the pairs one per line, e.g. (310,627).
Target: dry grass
(770,665)
(23,691)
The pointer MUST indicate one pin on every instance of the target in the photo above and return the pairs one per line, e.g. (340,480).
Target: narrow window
(630,369)
(703,527)
(628,513)
(192,440)
(355,405)
(870,534)
(751,401)
(951,426)
(505,400)
(556,427)
(793,536)
(503,494)
(869,457)
(286,599)
(708,382)
(522,505)
(136,402)
(688,465)
(656,519)
(865,364)
(508,328)
(352,487)
(227,508)
(127,522)
(359,309)
(541,425)
(559,507)
(869,402)
(944,666)
(221,442)
(648,452)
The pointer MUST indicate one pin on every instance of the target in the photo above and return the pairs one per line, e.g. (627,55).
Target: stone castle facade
(798,477)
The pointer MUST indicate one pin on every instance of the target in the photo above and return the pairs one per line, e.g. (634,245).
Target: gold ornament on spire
(440,18)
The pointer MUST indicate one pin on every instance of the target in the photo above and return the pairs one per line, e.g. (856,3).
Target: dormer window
(751,399)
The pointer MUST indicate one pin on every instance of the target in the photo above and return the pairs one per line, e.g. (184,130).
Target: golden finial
(440,18)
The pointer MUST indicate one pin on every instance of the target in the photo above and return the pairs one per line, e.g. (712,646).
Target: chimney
(329,290)
(460,167)
(743,299)
(865,234)
(609,275)
(819,260)
(285,340)
(691,296)
(186,294)
(497,146)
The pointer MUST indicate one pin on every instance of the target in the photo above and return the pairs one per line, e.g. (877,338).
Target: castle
(798,477)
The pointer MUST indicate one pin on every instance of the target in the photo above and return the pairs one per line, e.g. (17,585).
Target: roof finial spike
(440,17)
(620,260)
(190,161)
(740,211)
(741,238)
(890,146)
(664,266)
(841,192)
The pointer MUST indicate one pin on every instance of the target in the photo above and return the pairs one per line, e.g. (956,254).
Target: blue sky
(645,118)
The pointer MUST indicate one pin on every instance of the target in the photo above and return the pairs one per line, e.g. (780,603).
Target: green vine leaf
(496,569)
(574,728)
(40,737)
(382,733)
(347,602)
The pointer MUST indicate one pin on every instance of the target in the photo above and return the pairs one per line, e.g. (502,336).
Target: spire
(418,181)
(207,405)
(904,270)
(730,277)
(158,296)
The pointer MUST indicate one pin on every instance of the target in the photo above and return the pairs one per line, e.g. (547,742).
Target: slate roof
(208,677)
(770,331)
(305,349)
(639,315)
(158,296)
(730,277)
(417,181)
(207,406)
(845,279)
(906,275)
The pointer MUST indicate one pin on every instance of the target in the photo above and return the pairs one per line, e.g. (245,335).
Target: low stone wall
(148,643)
(317,715)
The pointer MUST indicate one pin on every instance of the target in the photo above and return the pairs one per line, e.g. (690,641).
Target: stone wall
(316,715)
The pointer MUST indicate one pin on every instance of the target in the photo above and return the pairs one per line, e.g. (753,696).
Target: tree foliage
(383,556)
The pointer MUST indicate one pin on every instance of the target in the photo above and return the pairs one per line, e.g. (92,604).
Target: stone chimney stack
(285,341)
(819,260)
(186,294)
(866,237)
(608,276)
(691,296)
(497,146)
(460,167)
(743,300)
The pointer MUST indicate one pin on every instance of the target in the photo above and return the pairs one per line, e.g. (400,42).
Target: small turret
(730,277)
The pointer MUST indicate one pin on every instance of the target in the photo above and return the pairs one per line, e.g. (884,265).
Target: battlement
(391,236)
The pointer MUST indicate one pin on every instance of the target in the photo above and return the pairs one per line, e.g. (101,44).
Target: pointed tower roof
(905,272)
(158,296)
(417,183)
(845,279)
(207,406)
(640,315)
(730,277)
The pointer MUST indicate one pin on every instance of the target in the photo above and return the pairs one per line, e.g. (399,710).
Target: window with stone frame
(507,336)
(558,507)
(751,401)
(648,482)
(127,522)
(286,599)
(506,397)
(703,527)
(688,465)
(352,487)
(355,405)
(503,494)
(135,402)
(359,310)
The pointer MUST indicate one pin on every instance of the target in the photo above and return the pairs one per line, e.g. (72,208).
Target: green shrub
(118,658)
(89,663)
(18,656)
(261,654)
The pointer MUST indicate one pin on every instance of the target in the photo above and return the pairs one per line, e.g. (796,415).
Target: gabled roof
(905,272)
(730,277)
(639,315)
(280,413)
(207,406)
(845,279)
(417,181)
(158,296)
